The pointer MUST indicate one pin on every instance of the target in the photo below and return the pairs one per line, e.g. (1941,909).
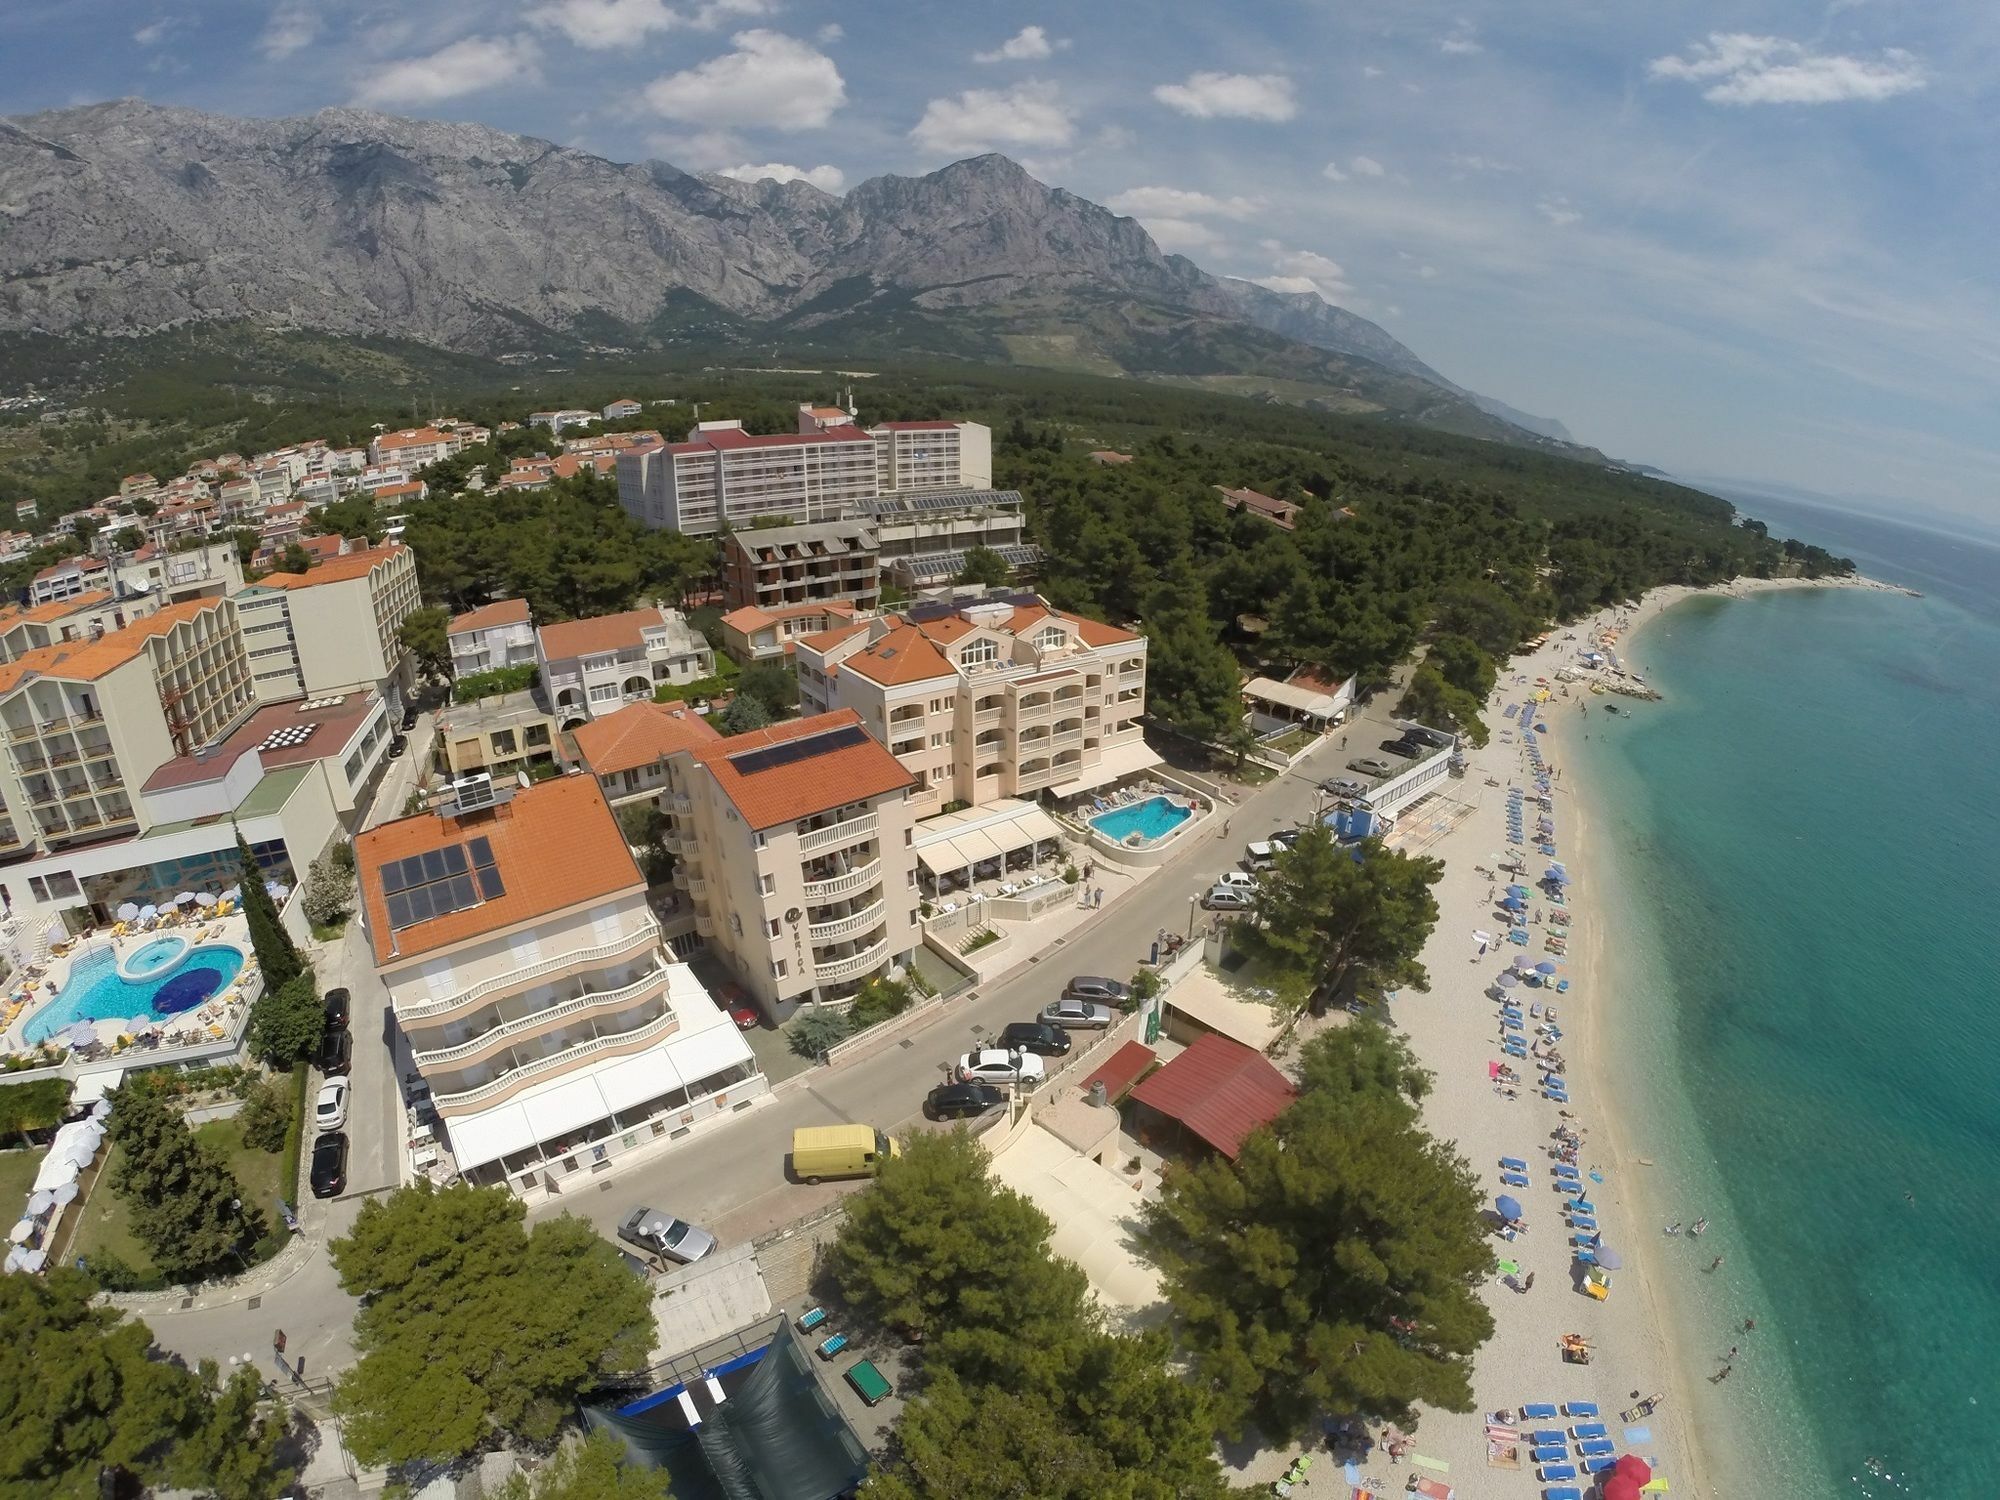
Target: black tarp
(778,1436)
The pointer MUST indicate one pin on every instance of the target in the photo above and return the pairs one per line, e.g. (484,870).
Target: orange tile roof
(901,656)
(750,617)
(813,783)
(600,633)
(333,570)
(826,640)
(1097,633)
(55,609)
(85,661)
(639,734)
(556,846)
(499,612)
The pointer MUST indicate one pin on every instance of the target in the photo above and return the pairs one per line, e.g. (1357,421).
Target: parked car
(1097,990)
(1286,837)
(330,1109)
(336,1051)
(735,1000)
(336,1009)
(1371,765)
(1262,855)
(1342,786)
(963,1101)
(1241,879)
(1077,1015)
(329,1164)
(398,745)
(664,1235)
(1227,898)
(998,1065)
(1044,1037)
(1408,749)
(643,1269)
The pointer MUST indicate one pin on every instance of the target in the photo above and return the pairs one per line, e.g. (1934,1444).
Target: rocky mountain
(126,218)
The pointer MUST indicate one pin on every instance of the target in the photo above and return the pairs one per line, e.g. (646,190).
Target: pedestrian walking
(1100,897)
(278,1341)
(1529,1285)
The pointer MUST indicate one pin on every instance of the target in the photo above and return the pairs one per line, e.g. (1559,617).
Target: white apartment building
(819,473)
(529,982)
(594,667)
(559,421)
(499,634)
(413,447)
(26,627)
(333,629)
(989,698)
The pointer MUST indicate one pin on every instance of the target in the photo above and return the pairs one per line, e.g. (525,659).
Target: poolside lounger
(1556,1471)
(1579,1408)
(1596,1447)
(1553,1453)
(1545,1435)
(1589,1430)
(1599,1464)
(1566,1492)
(1514,1163)
(832,1345)
(1513,1180)
(1541,1411)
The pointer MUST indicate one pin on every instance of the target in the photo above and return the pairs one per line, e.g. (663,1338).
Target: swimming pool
(150,960)
(95,991)
(1152,820)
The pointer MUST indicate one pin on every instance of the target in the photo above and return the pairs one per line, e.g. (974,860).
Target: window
(770,885)
(771,928)
(603,692)
(1051,638)
(778,967)
(977,653)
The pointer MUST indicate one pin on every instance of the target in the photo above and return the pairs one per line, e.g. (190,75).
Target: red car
(741,1011)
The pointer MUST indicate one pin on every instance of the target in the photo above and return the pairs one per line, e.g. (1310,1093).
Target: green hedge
(726,673)
(295,1136)
(491,684)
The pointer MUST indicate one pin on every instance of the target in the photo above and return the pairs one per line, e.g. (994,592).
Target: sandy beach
(1455,1030)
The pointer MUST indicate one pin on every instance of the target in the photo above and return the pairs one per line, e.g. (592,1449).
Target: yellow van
(820,1151)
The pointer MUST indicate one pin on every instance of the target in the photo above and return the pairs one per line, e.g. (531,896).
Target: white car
(330,1110)
(1243,880)
(1263,854)
(995,1065)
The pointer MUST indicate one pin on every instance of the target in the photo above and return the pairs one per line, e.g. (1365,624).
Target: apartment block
(821,562)
(333,628)
(987,698)
(557,421)
(413,447)
(923,540)
(593,667)
(501,736)
(527,977)
(499,634)
(750,634)
(622,408)
(25,627)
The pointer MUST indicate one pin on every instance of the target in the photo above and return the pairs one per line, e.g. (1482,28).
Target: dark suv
(1035,1036)
(329,1164)
(336,1051)
(336,1009)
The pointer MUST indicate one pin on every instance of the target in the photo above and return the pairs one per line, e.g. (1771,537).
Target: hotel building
(333,629)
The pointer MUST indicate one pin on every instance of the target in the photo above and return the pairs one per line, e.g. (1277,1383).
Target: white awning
(94,1086)
(1203,1000)
(1300,699)
(1128,759)
(954,841)
(1037,827)
(942,857)
(707,1053)
(976,845)
(570,1105)
(488,1135)
(634,1080)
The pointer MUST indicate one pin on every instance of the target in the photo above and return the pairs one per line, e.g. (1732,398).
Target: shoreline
(1639,1342)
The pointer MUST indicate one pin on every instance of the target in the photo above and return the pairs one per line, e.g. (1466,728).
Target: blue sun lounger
(1540,1411)
(1579,1408)
(1582,1205)
(1513,1163)
(1589,1430)
(1583,1221)
(1513,1180)
(1586,1255)
(1555,1080)
(1555,1096)
(1554,1453)
(1599,1464)
(1564,1170)
(1556,1471)
(1544,1435)
(1565,1492)
(1597,1447)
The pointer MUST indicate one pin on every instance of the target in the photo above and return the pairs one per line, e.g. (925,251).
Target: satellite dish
(792,914)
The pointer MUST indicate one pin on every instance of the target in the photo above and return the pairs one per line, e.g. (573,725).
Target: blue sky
(1754,240)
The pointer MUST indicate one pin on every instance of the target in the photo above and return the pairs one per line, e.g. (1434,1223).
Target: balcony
(840,927)
(849,831)
(854,964)
(704,924)
(528,1025)
(697,889)
(647,936)
(502,1087)
(680,803)
(818,891)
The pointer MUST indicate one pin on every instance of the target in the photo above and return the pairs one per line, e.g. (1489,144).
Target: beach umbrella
(80,1033)
(1608,1258)
(185,898)
(276,889)
(1509,1206)
(34,1260)
(127,911)
(1518,890)
(1634,1468)
(1522,961)
(234,893)
(22,1232)
(203,898)
(102,1108)
(1508,979)
(1513,903)
(1618,1487)
(1545,967)
(148,912)
(14,1258)
(55,1171)
(40,1203)
(64,1192)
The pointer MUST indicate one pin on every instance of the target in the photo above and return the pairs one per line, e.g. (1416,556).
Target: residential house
(593,667)
(1280,513)
(499,634)
(751,634)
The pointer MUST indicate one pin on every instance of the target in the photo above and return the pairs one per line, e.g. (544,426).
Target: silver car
(1228,898)
(1078,1015)
(666,1236)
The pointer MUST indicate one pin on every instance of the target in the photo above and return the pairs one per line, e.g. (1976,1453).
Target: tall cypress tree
(186,1206)
(276,954)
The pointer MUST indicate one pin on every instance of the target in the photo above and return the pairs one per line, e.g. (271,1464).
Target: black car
(336,1051)
(398,745)
(336,1009)
(963,1101)
(329,1164)
(1044,1037)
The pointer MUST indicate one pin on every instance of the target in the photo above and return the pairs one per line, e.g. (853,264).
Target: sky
(1753,239)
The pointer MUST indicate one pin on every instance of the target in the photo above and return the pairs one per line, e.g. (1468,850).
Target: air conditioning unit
(470,793)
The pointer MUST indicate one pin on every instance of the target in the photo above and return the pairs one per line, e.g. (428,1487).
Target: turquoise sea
(1807,1010)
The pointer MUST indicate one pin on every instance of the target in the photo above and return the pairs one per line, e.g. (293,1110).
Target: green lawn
(106,1226)
(17,1178)
(1291,743)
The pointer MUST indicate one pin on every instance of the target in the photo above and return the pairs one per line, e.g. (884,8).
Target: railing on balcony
(840,885)
(852,830)
(698,889)
(648,934)
(681,803)
(847,926)
(512,1079)
(855,963)
(472,1046)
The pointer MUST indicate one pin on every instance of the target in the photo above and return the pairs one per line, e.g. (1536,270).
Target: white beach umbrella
(40,1203)
(14,1258)
(34,1260)
(185,898)
(127,911)
(64,1192)
(102,1108)
(22,1232)
(55,1171)
(203,898)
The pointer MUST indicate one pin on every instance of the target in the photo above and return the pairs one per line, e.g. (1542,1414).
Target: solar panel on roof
(490,884)
(482,851)
(461,891)
(454,859)
(433,864)
(392,877)
(439,882)
(805,747)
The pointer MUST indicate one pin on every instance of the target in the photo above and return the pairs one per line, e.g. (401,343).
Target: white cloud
(462,68)
(1304,271)
(1482,164)
(830,33)
(1743,69)
(152,35)
(701,151)
(1029,44)
(771,80)
(1286,283)
(1371,71)
(1428,273)
(1557,211)
(293,27)
(603,24)
(1233,96)
(1183,236)
(1178,203)
(1028,114)
(1333,172)
(1367,166)
(1462,42)
(827,179)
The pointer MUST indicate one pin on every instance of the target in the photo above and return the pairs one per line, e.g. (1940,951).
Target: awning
(488,1135)
(633,1080)
(1128,759)
(707,1053)
(976,845)
(568,1106)
(1035,828)
(942,857)
(1300,699)
(954,841)
(1205,1002)
(94,1086)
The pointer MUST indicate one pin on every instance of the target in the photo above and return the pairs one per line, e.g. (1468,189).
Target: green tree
(287,1024)
(1461,662)
(741,716)
(294,559)
(357,517)
(81,1391)
(1484,613)
(773,684)
(33,1106)
(985,567)
(235,1453)
(424,635)
(934,1247)
(329,894)
(129,539)
(471,1325)
(1192,679)
(185,1205)
(276,955)
(1336,915)
(816,1030)
(593,1469)
(1333,1266)
(266,1116)
(1437,704)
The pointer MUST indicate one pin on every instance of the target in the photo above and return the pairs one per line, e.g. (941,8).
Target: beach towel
(1353,1472)
(1430,1463)
(1636,1435)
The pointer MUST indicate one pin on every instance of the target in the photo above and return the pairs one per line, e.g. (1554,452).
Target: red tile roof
(1219,1089)
(55,609)
(916,426)
(901,656)
(749,617)
(598,634)
(85,661)
(814,782)
(555,843)
(1122,1069)
(826,640)
(334,570)
(639,734)
(499,612)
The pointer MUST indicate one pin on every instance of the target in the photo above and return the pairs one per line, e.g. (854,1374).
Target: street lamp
(1193,903)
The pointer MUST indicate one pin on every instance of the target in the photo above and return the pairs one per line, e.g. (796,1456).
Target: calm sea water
(1808,1014)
